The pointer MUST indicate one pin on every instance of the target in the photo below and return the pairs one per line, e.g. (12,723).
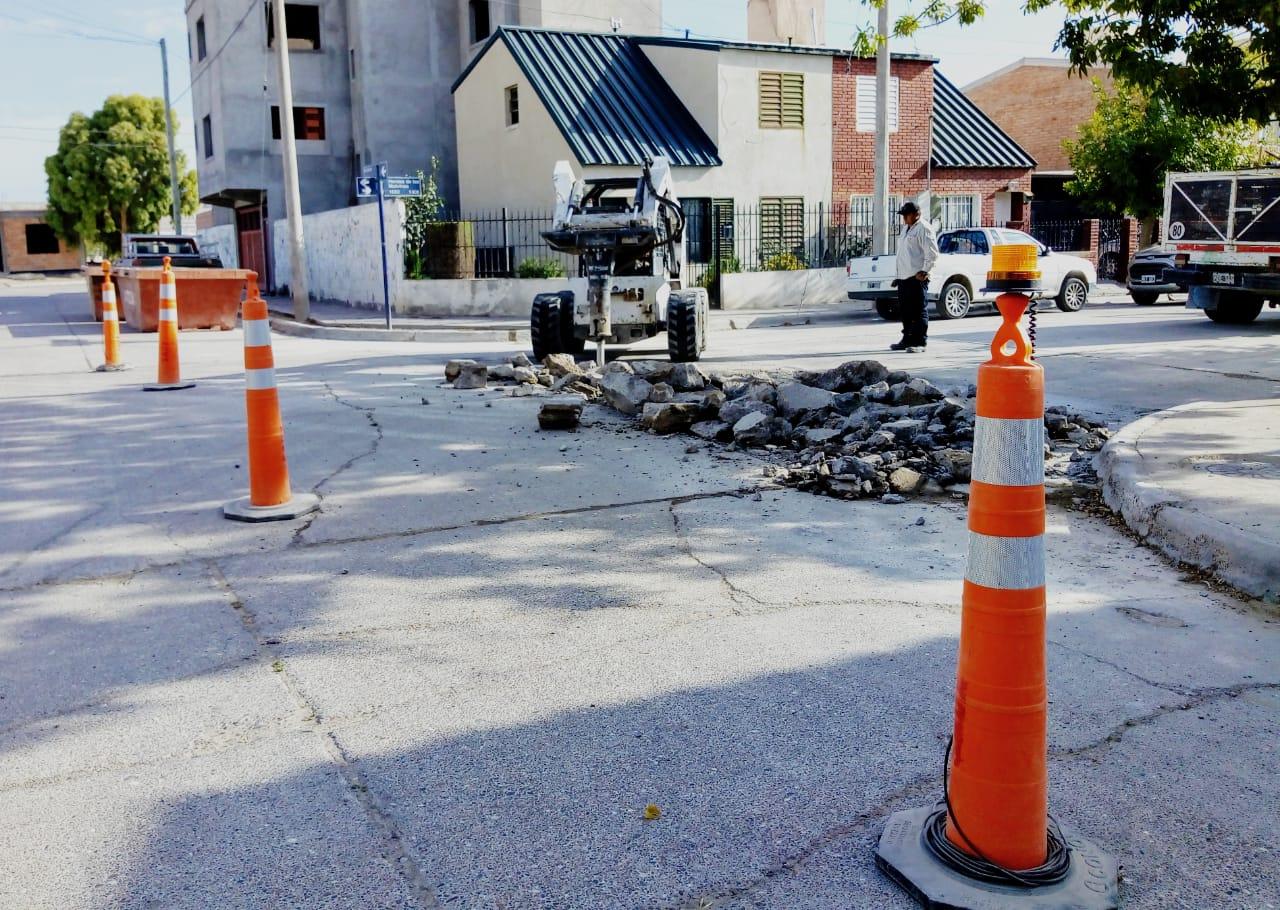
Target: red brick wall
(853,153)
(985,182)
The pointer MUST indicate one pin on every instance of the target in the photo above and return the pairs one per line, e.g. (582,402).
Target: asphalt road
(462,681)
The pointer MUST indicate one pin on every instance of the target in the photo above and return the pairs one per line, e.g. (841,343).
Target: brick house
(944,152)
(1041,103)
(28,243)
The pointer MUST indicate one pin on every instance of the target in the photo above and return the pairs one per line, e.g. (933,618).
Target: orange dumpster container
(92,272)
(207,298)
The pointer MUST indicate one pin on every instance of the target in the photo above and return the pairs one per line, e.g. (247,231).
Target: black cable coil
(977,866)
(1031,319)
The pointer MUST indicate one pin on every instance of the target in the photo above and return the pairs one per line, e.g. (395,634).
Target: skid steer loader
(628,235)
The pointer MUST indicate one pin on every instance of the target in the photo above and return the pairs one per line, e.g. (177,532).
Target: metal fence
(1111,249)
(1064,236)
(720,238)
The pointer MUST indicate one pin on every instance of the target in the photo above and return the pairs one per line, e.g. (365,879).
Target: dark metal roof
(963,136)
(607,98)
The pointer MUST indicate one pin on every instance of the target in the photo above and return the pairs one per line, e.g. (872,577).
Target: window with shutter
(866,104)
(781,100)
(781,225)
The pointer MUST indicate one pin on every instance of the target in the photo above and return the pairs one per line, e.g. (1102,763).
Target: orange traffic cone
(168,375)
(110,325)
(270,497)
(990,843)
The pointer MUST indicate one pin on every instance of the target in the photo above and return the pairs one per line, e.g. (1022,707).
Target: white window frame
(511,93)
(943,210)
(865,103)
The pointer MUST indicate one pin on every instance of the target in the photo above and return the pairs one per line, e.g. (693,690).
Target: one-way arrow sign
(366,187)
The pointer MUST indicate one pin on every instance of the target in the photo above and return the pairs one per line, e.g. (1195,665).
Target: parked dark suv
(1146,276)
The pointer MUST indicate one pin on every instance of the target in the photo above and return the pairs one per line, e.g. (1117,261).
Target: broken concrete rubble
(560,413)
(857,430)
(471,376)
(453,367)
(625,391)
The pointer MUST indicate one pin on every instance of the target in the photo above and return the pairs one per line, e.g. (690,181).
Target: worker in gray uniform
(917,252)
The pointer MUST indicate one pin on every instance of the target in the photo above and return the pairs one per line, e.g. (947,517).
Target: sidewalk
(341,322)
(1202,483)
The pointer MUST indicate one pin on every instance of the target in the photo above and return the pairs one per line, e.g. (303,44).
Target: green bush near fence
(785,261)
(725,266)
(534,267)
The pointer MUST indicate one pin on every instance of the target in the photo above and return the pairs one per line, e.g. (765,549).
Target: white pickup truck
(960,273)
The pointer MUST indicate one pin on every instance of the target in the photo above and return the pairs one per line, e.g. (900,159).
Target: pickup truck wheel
(1074,295)
(954,301)
(1235,309)
(888,310)
(1144,298)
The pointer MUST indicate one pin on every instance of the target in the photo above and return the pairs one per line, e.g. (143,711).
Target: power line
(73,33)
(55,12)
(208,61)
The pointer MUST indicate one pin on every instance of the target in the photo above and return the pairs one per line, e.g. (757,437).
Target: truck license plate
(1223,278)
(1148,279)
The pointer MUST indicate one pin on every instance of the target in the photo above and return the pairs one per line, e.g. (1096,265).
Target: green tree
(1214,58)
(1124,150)
(110,174)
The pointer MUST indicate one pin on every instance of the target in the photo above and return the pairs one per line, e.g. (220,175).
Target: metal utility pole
(880,216)
(292,195)
(174,189)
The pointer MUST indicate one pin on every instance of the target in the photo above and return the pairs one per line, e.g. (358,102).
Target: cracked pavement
(459,683)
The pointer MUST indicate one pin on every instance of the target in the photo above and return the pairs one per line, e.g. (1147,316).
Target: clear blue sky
(55,59)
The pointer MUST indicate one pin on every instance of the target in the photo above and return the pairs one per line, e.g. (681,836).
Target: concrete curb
(438,336)
(1174,526)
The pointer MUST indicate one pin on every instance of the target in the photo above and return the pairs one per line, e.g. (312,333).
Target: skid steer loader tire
(686,325)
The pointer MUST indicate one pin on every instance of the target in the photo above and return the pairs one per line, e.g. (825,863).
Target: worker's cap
(909,208)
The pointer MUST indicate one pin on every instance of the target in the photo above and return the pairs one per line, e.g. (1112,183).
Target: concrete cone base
(243,510)
(1092,883)
(112,368)
(167,387)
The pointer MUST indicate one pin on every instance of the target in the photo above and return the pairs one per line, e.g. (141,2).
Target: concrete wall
(770,290)
(13,246)
(228,87)
(511,166)
(220,241)
(694,76)
(507,297)
(776,21)
(405,62)
(344,261)
(500,165)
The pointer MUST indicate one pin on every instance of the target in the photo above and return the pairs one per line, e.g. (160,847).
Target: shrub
(726,266)
(539,268)
(785,261)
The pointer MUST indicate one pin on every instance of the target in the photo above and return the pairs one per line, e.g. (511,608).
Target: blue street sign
(402,186)
(366,187)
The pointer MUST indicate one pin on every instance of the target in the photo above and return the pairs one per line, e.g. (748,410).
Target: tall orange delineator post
(168,373)
(270,497)
(110,325)
(990,842)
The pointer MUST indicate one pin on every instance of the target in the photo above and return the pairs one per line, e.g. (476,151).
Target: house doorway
(251,236)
